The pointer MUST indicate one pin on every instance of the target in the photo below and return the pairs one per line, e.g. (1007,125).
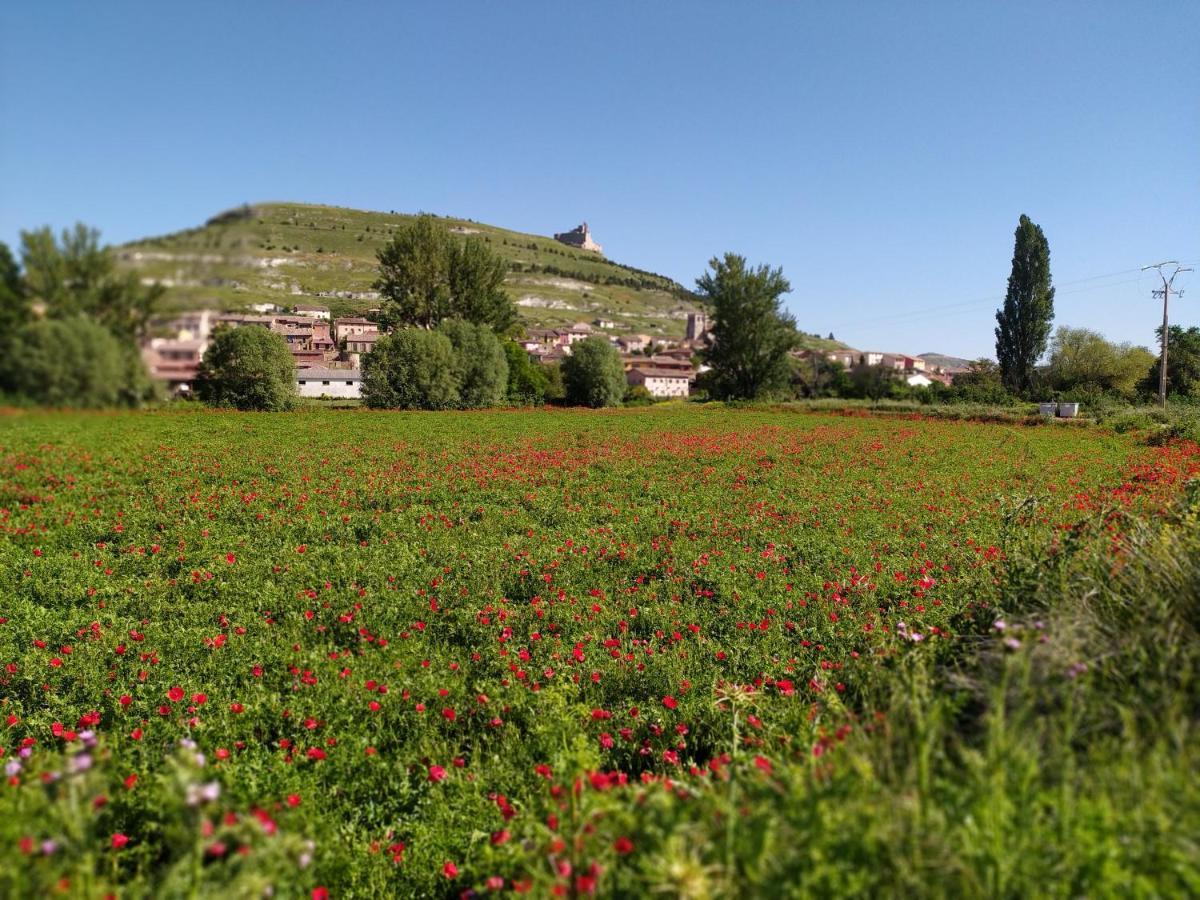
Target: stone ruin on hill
(580,238)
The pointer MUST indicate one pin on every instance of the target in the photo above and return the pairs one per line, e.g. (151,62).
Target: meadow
(684,651)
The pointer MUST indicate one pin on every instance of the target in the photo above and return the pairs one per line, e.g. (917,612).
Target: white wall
(341,389)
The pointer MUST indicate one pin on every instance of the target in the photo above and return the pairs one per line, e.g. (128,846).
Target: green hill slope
(290,253)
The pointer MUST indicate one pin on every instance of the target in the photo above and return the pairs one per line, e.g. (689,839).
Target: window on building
(326,383)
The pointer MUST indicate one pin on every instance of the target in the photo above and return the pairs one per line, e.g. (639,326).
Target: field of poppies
(685,651)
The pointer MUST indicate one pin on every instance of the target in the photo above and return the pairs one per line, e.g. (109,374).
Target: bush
(248,368)
(411,369)
(593,374)
(74,362)
(527,381)
(480,364)
(638,395)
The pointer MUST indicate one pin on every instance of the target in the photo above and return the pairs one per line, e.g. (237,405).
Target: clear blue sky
(881,153)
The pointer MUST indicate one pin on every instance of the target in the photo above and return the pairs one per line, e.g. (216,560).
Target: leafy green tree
(556,390)
(527,381)
(1083,361)
(872,382)
(1183,363)
(1023,324)
(818,376)
(751,333)
(477,285)
(593,375)
(71,362)
(480,366)
(411,369)
(74,275)
(248,368)
(427,276)
(981,383)
(14,306)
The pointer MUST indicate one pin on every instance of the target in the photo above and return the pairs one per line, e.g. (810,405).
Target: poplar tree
(752,335)
(1023,325)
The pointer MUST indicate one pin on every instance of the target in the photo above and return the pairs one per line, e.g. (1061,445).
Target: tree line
(70,326)
(70,323)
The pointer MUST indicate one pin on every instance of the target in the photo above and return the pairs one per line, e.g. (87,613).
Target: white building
(315,312)
(660,382)
(341,384)
(918,379)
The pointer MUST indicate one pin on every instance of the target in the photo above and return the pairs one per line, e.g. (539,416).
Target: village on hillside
(328,351)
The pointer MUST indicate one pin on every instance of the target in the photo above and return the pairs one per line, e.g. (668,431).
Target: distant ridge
(290,253)
(945,362)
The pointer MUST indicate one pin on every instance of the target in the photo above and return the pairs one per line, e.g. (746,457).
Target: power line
(965,306)
(1165,293)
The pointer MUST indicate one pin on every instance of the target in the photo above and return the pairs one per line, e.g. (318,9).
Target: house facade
(661,382)
(341,384)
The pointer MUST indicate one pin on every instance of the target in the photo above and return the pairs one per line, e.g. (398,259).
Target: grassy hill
(289,253)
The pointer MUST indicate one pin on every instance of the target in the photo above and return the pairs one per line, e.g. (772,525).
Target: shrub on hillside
(248,368)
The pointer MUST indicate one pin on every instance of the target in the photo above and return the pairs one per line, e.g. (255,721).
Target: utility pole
(1165,293)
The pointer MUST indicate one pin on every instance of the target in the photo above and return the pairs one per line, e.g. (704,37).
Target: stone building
(579,237)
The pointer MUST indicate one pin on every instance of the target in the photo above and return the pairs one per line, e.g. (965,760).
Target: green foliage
(981,383)
(1183,363)
(873,382)
(411,369)
(75,276)
(480,364)
(818,376)
(751,333)
(593,375)
(1082,361)
(527,381)
(522,644)
(1023,325)
(247,368)
(427,276)
(73,362)
(638,395)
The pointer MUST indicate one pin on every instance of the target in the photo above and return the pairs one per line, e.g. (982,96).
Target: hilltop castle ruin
(579,237)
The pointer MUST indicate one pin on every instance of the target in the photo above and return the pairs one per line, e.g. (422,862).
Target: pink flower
(450,870)
(119,840)
(436,773)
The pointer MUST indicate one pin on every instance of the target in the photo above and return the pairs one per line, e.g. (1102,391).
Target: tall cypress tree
(1023,327)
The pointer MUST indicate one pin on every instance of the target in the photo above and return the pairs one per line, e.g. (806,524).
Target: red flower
(293,800)
(763,763)
(175,694)
(450,870)
(623,845)
(436,773)
(670,702)
(119,840)
(131,781)
(320,893)
(449,714)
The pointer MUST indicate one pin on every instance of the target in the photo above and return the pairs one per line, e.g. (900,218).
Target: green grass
(753,582)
